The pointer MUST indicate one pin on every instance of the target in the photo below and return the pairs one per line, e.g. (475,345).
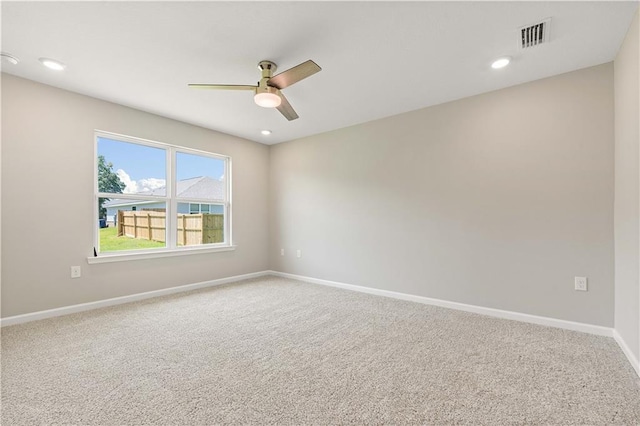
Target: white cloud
(131,186)
(141,185)
(149,184)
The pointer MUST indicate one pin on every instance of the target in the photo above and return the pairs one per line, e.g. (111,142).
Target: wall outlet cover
(76,272)
(581,283)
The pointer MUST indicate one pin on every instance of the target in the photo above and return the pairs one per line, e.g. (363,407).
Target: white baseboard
(627,352)
(551,322)
(34,316)
(517,316)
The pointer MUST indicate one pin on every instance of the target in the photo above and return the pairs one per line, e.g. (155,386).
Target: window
(152,197)
(201,208)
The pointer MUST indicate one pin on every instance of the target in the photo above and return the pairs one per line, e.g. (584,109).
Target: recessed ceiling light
(501,63)
(266,132)
(10,58)
(52,64)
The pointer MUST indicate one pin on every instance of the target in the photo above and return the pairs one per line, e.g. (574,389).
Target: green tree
(108,181)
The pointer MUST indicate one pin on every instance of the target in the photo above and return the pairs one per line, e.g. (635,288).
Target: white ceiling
(378,58)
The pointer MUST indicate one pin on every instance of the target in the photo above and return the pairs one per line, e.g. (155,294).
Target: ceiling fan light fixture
(267,92)
(267,99)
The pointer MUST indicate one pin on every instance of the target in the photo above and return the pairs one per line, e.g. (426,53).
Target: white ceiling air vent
(533,35)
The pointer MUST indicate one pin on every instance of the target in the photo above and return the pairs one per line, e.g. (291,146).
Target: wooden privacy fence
(193,229)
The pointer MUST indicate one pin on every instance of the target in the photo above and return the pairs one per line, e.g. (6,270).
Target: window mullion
(172,207)
(136,196)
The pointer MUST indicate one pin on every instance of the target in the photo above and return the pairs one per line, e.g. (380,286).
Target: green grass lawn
(109,241)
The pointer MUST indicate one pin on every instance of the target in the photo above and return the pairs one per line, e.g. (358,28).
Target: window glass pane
(130,224)
(200,177)
(201,228)
(194,208)
(131,168)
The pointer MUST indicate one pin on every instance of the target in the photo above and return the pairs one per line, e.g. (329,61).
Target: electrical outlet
(299,253)
(281,252)
(581,283)
(76,272)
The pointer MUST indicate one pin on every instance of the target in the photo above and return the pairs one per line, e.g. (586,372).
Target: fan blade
(294,75)
(223,86)
(286,109)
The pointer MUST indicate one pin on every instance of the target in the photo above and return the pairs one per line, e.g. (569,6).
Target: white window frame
(170,199)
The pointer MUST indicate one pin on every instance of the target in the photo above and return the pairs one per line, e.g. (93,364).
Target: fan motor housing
(267,68)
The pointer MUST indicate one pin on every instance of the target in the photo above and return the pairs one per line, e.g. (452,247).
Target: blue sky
(144,166)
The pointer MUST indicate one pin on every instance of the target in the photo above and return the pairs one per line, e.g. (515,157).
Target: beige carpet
(273,350)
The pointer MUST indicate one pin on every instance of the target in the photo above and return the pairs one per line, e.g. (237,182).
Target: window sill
(122,257)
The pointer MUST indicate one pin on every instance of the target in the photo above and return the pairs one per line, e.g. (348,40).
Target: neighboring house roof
(201,187)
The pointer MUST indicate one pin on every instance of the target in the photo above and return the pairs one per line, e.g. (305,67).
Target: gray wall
(47,159)
(627,189)
(497,200)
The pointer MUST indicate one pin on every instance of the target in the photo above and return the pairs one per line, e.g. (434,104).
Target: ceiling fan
(267,91)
